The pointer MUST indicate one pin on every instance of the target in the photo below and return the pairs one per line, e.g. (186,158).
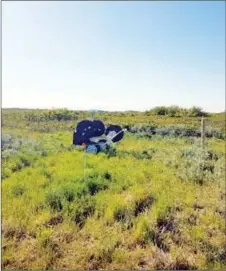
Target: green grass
(137,208)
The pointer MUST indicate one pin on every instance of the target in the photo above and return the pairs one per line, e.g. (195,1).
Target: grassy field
(151,202)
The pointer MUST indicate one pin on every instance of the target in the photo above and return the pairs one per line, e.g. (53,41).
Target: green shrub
(196,166)
(95,185)
(196,112)
(107,175)
(160,110)
(123,214)
(81,190)
(142,204)
(111,151)
(68,193)
(44,237)
(16,164)
(18,190)
(84,208)
(54,200)
(96,182)
(174,111)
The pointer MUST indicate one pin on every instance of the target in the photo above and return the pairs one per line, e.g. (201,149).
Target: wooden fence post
(203,132)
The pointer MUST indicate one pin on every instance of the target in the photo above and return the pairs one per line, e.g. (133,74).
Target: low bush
(149,131)
(83,208)
(18,190)
(54,200)
(198,166)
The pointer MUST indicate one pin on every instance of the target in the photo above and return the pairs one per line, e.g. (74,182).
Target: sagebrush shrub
(144,131)
(197,165)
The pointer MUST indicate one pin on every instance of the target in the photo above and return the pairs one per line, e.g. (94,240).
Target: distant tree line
(43,115)
(55,114)
(176,111)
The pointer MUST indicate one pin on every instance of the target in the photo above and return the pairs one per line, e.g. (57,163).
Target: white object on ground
(109,137)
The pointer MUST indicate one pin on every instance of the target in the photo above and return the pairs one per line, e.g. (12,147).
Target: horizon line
(84,110)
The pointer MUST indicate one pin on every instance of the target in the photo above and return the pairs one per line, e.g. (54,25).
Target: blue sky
(113,55)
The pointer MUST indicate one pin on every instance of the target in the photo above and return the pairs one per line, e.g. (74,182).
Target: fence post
(203,132)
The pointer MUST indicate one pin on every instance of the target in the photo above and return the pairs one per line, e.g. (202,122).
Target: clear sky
(113,55)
